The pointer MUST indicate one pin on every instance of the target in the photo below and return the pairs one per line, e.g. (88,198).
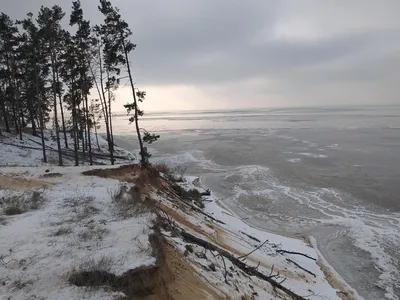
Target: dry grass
(131,203)
(51,175)
(116,173)
(149,176)
(13,209)
(163,168)
(93,233)
(20,285)
(134,283)
(104,263)
(82,207)
(16,204)
(175,174)
(78,201)
(93,272)
(119,193)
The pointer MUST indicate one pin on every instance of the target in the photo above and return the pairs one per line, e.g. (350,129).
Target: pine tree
(115,35)
(83,44)
(97,71)
(49,23)
(8,44)
(70,74)
(36,71)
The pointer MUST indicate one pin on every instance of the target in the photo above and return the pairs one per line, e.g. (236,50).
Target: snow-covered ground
(28,151)
(76,227)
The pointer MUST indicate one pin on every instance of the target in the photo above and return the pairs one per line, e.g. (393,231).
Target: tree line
(47,70)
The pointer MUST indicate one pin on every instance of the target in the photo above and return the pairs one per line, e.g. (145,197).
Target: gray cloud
(296,53)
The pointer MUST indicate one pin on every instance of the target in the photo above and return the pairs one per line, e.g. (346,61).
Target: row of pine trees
(47,70)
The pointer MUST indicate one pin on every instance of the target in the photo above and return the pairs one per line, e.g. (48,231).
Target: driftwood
(251,271)
(296,253)
(300,267)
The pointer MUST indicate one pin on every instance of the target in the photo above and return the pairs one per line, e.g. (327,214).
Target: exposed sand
(18,183)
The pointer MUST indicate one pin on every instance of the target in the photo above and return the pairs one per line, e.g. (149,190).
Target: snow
(236,235)
(76,226)
(28,151)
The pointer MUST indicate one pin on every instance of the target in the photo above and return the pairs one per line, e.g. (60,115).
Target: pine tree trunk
(32,117)
(106,119)
(60,161)
(88,130)
(39,103)
(15,118)
(31,110)
(74,130)
(5,112)
(111,126)
(21,122)
(19,111)
(62,111)
(81,135)
(12,87)
(110,114)
(144,161)
(41,121)
(84,125)
(104,107)
(74,125)
(97,138)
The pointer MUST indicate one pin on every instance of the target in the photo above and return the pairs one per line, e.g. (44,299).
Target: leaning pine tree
(115,34)
(83,44)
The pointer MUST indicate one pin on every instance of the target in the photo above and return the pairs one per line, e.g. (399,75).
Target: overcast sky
(212,54)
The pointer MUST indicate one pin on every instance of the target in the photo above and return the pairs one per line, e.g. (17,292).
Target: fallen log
(251,271)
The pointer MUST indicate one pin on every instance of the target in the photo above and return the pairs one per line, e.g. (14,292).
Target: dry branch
(296,253)
(244,256)
(300,267)
(250,236)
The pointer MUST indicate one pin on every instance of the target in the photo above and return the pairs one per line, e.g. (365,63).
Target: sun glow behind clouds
(168,97)
(208,96)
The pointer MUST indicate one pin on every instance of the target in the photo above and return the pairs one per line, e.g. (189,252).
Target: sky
(214,54)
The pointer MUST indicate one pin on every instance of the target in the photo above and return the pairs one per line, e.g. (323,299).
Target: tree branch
(296,253)
(300,267)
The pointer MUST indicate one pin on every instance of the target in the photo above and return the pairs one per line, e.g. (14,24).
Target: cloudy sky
(213,54)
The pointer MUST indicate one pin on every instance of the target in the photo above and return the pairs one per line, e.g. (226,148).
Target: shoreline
(333,277)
